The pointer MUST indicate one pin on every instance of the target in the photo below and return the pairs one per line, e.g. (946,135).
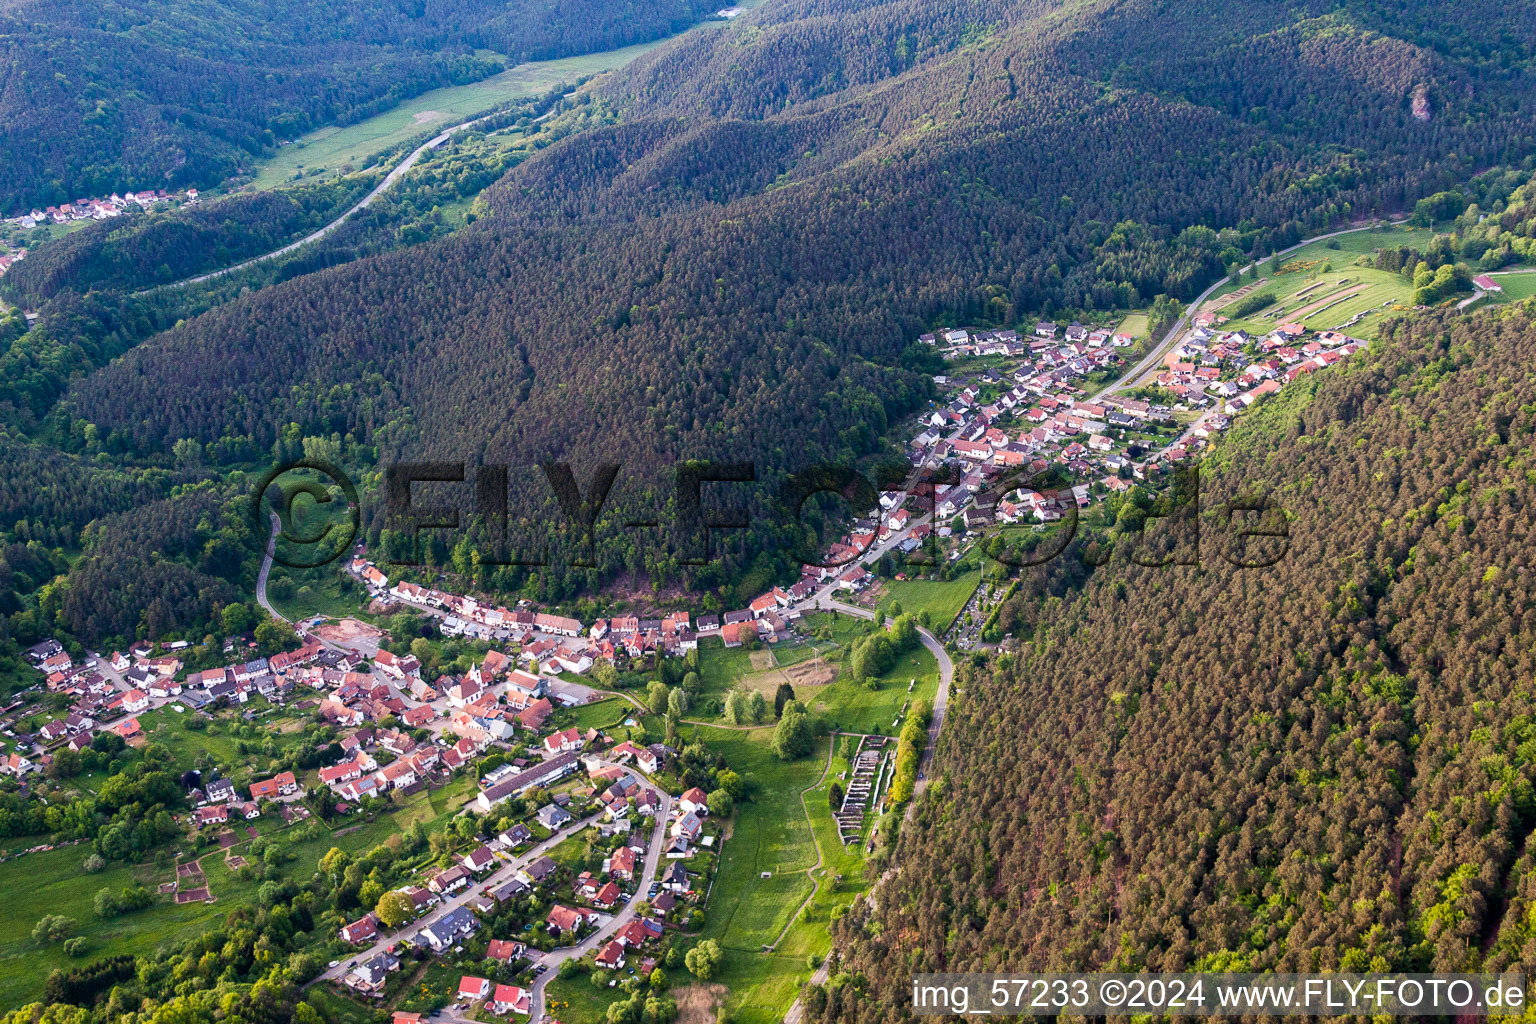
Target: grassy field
(602,714)
(325,590)
(1349,248)
(1517,286)
(854,707)
(721,667)
(54,883)
(749,912)
(1136,324)
(941,600)
(1361,243)
(331,149)
(169,729)
(575,1001)
(770,836)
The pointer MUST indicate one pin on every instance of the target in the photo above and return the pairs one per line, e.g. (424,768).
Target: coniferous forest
(1321,764)
(105,95)
(729,260)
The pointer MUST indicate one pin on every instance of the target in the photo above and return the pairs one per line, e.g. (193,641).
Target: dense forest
(1324,764)
(105,95)
(739,283)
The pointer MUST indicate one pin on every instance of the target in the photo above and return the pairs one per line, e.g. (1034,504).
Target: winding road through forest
(395,174)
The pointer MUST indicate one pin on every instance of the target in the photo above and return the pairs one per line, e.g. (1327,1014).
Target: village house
(364,929)
(372,975)
(279,785)
(472,989)
(508,999)
(458,923)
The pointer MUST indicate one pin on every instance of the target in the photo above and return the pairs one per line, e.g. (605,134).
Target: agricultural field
(1345,298)
(771,835)
(940,600)
(332,150)
(1517,286)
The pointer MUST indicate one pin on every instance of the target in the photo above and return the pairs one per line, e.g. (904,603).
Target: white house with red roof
(509,999)
(363,929)
(564,742)
(471,988)
(611,957)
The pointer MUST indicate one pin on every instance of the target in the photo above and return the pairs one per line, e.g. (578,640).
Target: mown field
(770,836)
(940,600)
(331,149)
(1517,286)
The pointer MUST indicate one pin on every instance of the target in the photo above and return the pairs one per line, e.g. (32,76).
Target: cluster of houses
(11,257)
(221,800)
(104,208)
(1039,416)
(1080,340)
(1230,370)
(96,703)
(485,871)
(557,644)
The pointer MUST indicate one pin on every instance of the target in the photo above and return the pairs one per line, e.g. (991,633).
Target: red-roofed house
(418,716)
(277,785)
(471,988)
(504,950)
(633,935)
(509,999)
(612,956)
(607,896)
(621,863)
(563,920)
(361,930)
(340,773)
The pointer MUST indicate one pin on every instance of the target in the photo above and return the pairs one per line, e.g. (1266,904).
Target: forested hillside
(1323,764)
(105,95)
(738,283)
(145,249)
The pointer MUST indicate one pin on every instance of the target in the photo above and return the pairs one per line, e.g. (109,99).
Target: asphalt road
(606,931)
(395,174)
(553,959)
(1159,352)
